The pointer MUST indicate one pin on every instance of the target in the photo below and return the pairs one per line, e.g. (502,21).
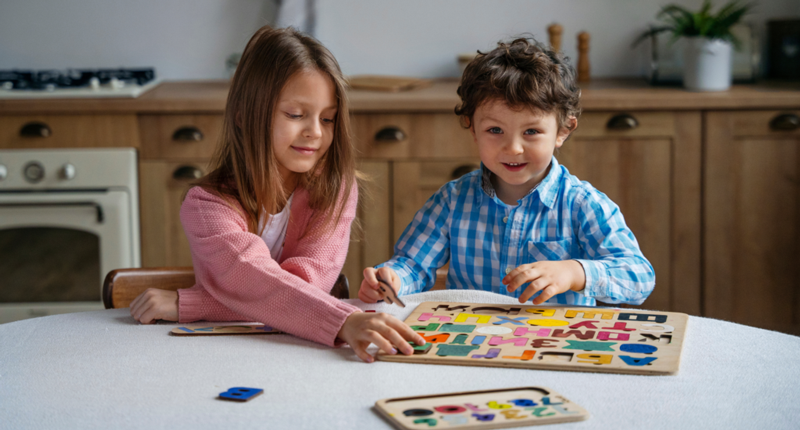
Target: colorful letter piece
(455,420)
(417,412)
(542,312)
(498,340)
(542,332)
(436,338)
(523,402)
(543,343)
(589,345)
(546,400)
(515,321)
(482,319)
(589,314)
(459,340)
(450,409)
(638,348)
(631,361)
(478,340)
(483,417)
(422,349)
(240,394)
(582,324)
(494,405)
(427,315)
(642,317)
(429,421)
(547,323)
(608,335)
(447,350)
(429,327)
(454,328)
(595,358)
(577,333)
(493,329)
(493,353)
(526,355)
(539,412)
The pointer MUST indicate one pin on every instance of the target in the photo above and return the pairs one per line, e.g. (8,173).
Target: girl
(269,227)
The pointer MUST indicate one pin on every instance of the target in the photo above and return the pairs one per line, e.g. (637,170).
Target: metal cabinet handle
(188,134)
(187,173)
(785,122)
(35,129)
(622,121)
(390,134)
(463,170)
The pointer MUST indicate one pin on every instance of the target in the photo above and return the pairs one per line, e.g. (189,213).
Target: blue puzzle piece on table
(241,394)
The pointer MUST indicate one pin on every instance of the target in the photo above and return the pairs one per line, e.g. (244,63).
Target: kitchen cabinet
(751,229)
(708,183)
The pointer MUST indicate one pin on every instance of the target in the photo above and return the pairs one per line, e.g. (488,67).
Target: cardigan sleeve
(235,269)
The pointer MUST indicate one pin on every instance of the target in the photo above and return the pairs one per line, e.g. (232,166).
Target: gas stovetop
(71,83)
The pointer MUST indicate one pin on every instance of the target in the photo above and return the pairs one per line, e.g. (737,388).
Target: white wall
(190,39)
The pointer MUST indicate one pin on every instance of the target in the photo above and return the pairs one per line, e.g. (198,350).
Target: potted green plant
(709,42)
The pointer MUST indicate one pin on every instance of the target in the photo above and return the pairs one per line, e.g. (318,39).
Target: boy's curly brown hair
(523,74)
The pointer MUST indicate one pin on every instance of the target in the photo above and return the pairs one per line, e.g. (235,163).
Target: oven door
(56,248)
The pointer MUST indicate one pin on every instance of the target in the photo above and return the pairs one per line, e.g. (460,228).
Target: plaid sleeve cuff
(596,279)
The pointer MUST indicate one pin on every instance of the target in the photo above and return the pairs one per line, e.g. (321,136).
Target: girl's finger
(142,312)
(135,303)
(398,340)
(406,332)
(381,342)
(360,349)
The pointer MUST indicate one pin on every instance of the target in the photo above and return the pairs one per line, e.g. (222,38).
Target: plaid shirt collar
(546,190)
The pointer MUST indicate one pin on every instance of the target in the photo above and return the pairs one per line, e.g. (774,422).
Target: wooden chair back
(121,286)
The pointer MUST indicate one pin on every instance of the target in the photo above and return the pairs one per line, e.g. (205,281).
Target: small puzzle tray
(487,409)
(546,337)
(222,330)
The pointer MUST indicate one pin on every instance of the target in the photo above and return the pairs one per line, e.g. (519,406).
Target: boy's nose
(514,147)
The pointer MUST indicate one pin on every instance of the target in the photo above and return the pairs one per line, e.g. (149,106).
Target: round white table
(103,370)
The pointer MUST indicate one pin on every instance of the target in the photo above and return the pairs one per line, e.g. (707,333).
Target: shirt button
(508,270)
(505,219)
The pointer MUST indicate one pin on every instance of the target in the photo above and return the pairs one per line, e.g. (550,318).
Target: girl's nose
(313,130)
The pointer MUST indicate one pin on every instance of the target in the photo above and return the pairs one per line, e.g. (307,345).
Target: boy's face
(516,145)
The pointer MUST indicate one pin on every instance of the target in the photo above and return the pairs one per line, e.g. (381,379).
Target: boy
(521,219)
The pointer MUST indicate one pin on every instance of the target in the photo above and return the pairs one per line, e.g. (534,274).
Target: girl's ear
(564,132)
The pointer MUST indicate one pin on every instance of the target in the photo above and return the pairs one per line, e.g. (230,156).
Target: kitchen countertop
(601,94)
(103,370)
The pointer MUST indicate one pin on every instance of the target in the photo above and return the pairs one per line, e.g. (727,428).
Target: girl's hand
(549,277)
(369,291)
(361,328)
(155,304)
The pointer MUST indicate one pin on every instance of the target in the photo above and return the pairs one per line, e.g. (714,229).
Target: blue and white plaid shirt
(562,218)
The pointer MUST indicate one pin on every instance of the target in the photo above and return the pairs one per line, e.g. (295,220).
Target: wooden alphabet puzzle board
(546,337)
(488,409)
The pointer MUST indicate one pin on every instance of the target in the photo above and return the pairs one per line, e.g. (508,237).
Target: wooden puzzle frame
(573,338)
(485,409)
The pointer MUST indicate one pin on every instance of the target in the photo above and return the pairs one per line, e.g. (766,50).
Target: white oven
(67,218)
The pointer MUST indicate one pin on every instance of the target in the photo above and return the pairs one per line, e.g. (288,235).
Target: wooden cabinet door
(752,219)
(162,188)
(370,237)
(651,169)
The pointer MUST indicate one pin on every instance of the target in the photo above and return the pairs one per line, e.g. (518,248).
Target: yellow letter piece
(482,319)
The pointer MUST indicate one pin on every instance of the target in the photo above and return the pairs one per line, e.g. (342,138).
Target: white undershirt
(274,233)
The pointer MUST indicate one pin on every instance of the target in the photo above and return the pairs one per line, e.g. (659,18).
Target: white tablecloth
(102,370)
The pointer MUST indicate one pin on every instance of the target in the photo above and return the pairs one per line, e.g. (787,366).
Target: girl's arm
(616,270)
(234,268)
(424,246)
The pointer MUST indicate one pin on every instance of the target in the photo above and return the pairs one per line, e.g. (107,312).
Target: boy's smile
(516,145)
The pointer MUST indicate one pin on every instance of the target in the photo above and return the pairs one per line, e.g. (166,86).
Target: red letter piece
(542,343)
(606,335)
(577,333)
(587,324)
(450,409)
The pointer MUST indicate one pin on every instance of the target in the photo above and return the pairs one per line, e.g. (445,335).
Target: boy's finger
(534,287)
(522,278)
(368,295)
(371,278)
(514,273)
(547,293)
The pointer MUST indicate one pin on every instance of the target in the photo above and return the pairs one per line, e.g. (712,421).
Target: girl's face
(303,122)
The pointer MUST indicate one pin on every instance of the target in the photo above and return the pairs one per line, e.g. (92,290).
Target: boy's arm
(424,246)
(616,270)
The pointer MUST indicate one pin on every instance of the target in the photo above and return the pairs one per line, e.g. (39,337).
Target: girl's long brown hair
(244,166)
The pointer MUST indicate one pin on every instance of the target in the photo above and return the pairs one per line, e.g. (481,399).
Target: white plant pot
(706,64)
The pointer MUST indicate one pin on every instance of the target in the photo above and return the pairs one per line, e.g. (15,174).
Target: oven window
(49,265)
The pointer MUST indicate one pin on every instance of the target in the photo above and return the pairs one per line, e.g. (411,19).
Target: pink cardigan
(237,279)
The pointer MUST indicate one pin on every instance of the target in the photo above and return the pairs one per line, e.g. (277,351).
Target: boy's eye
(495,130)
(531,131)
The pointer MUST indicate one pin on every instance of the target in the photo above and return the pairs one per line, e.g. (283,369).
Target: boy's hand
(155,304)
(549,277)
(369,291)
(385,331)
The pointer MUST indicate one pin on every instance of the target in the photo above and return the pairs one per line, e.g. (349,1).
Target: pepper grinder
(583,56)
(555,30)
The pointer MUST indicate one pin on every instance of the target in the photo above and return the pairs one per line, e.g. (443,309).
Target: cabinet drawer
(404,136)
(766,123)
(175,137)
(68,131)
(622,124)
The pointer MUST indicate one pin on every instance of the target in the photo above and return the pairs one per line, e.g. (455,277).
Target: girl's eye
(495,130)
(293,116)
(327,120)
(531,131)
